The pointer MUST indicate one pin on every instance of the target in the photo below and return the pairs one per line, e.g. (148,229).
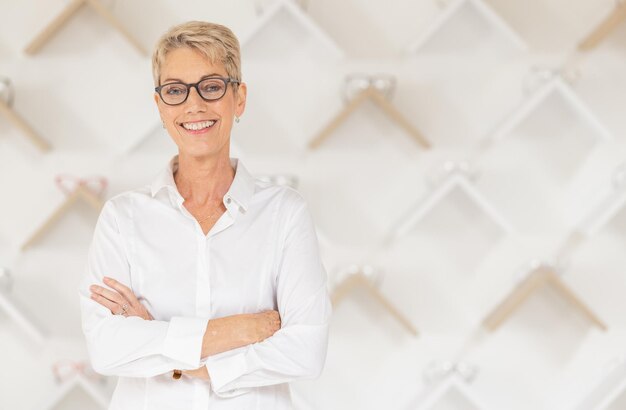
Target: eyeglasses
(210,89)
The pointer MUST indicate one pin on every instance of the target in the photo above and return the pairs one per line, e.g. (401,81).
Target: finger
(109,294)
(112,306)
(123,290)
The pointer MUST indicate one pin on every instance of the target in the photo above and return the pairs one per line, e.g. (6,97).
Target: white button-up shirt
(262,254)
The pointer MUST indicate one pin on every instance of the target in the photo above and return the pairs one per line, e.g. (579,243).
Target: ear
(242,92)
(156,98)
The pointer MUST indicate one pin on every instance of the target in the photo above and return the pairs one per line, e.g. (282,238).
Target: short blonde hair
(218,43)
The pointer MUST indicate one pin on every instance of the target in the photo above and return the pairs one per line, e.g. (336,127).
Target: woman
(207,272)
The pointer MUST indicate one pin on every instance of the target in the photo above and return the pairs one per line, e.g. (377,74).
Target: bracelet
(177,374)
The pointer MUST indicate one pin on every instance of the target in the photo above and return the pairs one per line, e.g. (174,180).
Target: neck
(203,180)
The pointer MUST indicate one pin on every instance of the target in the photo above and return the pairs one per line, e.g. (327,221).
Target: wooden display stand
(537,279)
(80,192)
(15,118)
(606,27)
(55,25)
(359,280)
(375,96)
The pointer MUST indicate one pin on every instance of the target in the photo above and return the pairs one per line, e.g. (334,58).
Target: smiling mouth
(197,126)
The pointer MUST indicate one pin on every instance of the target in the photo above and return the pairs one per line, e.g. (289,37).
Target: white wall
(88,93)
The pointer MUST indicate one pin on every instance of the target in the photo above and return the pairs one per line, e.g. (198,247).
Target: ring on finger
(125,307)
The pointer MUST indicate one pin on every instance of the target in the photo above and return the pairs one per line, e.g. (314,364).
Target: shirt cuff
(183,341)
(224,369)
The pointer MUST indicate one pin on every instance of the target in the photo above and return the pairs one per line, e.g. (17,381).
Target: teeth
(198,125)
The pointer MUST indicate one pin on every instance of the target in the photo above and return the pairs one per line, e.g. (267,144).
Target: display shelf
(97,394)
(147,142)
(453,393)
(20,316)
(80,192)
(377,98)
(605,28)
(10,114)
(536,278)
(556,85)
(357,277)
(452,9)
(67,13)
(602,215)
(295,11)
(452,182)
(608,208)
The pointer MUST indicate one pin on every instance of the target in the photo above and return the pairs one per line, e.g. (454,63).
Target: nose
(194,102)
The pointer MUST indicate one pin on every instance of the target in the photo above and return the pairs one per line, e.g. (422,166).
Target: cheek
(169,114)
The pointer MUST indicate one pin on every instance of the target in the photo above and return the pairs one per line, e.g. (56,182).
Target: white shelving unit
(534,102)
(608,209)
(454,181)
(295,11)
(98,396)
(20,316)
(482,8)
(452,393)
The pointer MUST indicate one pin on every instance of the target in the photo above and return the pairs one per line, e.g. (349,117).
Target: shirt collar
(240,191)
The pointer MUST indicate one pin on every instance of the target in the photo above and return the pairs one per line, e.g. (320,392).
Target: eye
(175,90)
(212,86)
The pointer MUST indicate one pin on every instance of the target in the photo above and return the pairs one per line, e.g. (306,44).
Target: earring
(236,119)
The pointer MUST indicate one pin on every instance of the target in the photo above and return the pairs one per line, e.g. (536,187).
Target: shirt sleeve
(298,349)
(130,346)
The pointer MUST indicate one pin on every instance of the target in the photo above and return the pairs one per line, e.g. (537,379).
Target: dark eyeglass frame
(226,80)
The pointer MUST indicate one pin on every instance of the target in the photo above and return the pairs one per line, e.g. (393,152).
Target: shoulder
(122,203)
(284,198)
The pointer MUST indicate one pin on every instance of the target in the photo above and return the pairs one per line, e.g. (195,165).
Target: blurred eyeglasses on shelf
(619,177)
(558,266)
(64,370)
(373,275)
(6,280)
(449,167)
(209,89)
(6,90)
(439,370)
(355,84)
(540,75)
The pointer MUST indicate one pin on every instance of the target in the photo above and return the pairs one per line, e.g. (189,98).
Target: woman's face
(189,66)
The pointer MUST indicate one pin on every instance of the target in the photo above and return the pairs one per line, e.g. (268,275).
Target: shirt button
(228,200)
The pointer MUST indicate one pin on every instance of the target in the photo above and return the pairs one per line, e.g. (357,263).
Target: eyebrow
(201,78)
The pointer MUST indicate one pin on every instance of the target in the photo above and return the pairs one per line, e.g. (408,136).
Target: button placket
(203,289)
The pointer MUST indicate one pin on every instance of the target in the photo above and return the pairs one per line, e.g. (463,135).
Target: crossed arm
(221,335)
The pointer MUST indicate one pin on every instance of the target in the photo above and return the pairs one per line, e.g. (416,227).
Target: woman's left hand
(120,301)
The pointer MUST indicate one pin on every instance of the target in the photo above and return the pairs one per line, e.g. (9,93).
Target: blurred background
(463,161)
